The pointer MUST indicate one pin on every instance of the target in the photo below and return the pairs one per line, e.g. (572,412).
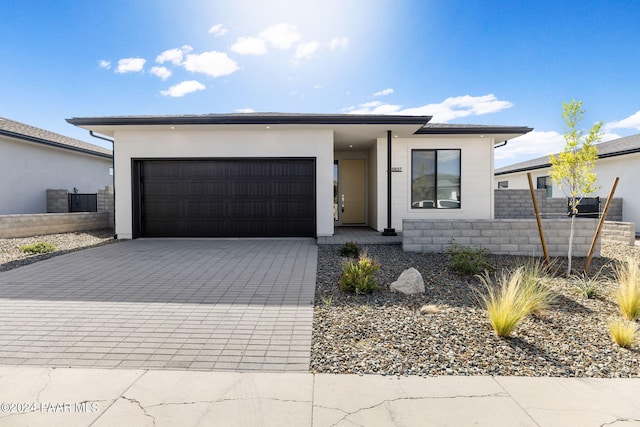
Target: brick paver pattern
(210,304)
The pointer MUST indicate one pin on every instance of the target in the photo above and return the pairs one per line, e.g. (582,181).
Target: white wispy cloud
(183,88)
(250,46)
(175,56)
(162,72)
(214,64)
(339,43)
(531,145)
(305,50)
(245,110)
(631,122)
(282,35)
(384,92)
(218,30)
(130,65)
(103,63)
(442,112)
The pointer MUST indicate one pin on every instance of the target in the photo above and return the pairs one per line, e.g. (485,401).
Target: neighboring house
(616,158)
(33,160)
(274,174)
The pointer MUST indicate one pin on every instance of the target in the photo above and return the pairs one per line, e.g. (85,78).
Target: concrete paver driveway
(213,304)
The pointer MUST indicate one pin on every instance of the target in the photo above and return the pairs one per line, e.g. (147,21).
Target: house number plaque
(396,169)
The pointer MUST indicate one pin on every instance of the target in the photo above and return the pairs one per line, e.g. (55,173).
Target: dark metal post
(389,231)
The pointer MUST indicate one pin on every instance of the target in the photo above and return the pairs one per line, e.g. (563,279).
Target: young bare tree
(572,169)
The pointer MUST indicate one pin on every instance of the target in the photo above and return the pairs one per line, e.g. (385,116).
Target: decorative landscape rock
(385,333)
(409,283)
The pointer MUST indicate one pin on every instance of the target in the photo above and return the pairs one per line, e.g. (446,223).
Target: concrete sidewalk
(117,397)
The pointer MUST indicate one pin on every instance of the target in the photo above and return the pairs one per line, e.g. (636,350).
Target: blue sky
(480,62)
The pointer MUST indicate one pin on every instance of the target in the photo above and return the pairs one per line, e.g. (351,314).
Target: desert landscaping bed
(11,257)
(385,332)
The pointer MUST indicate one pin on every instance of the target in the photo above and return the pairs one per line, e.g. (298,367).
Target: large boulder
(409,283)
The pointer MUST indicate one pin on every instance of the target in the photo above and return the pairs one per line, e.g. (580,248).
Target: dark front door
(224,198)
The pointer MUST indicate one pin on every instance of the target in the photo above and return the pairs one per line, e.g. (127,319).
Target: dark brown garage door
(225,198)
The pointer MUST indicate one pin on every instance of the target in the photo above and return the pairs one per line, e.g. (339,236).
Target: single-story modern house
(274,174)
(33,160)
(616,158)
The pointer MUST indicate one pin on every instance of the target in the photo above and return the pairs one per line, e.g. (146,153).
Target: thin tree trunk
(573,219)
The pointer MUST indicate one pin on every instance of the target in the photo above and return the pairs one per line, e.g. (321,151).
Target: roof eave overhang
(328,119)
(54,144)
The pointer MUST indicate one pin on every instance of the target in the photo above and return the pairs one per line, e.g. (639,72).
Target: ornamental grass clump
(537,295)
(623,332)
(505,302)
(359,276)
(628,293)
(515,295)
(349,250)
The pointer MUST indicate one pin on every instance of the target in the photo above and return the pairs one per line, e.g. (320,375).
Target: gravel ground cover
(385,332)
(11,257)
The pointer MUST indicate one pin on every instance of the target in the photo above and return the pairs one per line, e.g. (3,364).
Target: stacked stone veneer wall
(50,223)
(518,204)
(499,236)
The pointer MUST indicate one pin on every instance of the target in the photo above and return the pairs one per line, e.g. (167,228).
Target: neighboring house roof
(25,132)
(613,148)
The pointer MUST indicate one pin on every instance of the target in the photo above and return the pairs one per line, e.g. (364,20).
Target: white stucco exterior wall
(28,169)
(626,167)
(476,181)
(217,143)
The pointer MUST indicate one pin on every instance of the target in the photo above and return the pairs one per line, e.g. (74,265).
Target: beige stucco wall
(476,192)
(28,169)
(208,142)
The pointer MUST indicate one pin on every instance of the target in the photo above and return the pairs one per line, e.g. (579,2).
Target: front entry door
(351,197)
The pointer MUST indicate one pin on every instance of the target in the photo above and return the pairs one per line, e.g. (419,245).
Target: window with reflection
(435,179)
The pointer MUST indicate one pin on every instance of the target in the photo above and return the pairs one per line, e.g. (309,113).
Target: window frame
(435,169)
(503,184)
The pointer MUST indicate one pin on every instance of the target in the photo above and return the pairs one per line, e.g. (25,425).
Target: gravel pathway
(385,333)
(11,257)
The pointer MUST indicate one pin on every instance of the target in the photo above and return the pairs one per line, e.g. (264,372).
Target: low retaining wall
(620,232)
(36,224)
(499,236)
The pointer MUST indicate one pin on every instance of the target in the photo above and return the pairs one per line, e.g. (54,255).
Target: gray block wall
(499,236)
(57,201)
(106,203)
(517,204)
(51,223)
(619,232)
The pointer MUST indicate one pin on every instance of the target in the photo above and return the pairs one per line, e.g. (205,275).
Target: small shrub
(38,248)
(359,276)
(505,301)
(468,261)
(628,293)
(623,332)
(350,250)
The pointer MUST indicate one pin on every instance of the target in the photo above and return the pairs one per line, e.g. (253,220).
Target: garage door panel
(227,197)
